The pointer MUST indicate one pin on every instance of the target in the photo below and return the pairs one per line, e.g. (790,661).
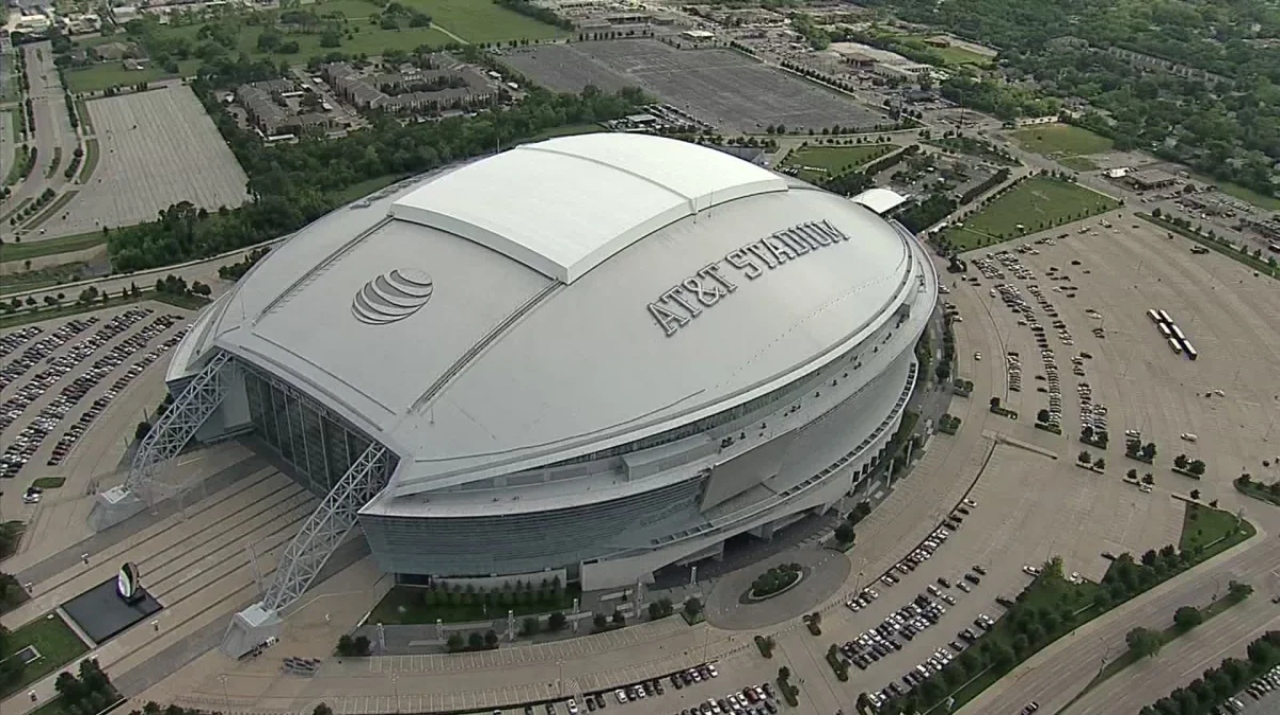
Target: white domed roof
(559,298)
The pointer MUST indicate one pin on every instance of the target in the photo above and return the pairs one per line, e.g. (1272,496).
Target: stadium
(590,357)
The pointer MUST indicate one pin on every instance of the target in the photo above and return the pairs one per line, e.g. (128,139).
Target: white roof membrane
(563,206)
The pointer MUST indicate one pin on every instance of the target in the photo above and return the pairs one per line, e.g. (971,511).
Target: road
(52,126)
(1054,676)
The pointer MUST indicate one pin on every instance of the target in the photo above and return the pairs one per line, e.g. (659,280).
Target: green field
(953,56)
(50,247)
(1035,204)
(820,162)
(41,278)
(55,640)
(483,21)
(476,21)
(1211,529)
(1060,141)
(113,74)
(1078,163)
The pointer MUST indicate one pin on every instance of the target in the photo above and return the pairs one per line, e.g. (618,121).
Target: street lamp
(560,678)
(226,695)
(395,688)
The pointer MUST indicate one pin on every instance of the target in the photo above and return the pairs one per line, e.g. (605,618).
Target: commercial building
(590,357)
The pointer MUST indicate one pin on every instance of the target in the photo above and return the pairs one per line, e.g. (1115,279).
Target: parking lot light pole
(395,688)
(226,695)
(560,678)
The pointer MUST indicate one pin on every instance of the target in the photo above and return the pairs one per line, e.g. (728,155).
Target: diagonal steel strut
(325,529)
(177,425)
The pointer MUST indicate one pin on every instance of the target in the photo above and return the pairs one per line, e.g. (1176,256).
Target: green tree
(455,642)
(1237,591)
(475,640)
(1142,642)
(693,608)
(557,621)
(1187,617)
(844,533)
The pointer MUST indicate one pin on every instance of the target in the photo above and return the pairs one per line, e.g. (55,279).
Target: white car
(977,356)
(1188,436)
(712,669)
(621,696)
(573,706)
(30,498)
(1031,570)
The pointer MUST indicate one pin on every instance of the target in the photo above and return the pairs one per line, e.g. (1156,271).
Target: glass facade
(319,445)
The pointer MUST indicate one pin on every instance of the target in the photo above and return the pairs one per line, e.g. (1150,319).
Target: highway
(1055,675)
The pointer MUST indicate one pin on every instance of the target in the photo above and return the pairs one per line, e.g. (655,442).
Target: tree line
(1200,89)
(1204,694)
(292,185)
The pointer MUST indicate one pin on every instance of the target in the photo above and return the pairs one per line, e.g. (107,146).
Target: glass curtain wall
(319,445)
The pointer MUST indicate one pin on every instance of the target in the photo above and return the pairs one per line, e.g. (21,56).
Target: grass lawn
(50,247)
(15,168)
(58,646)
(41,278)
(406,605)
(90,160)
(49,482)
(1212,529)
(819,162)
(14,212)
(69,308)
(483,21)
(1035,204)
(82,111)
(113,74)
(1259,491)
(15,124)
(1078,163)
(1061,140)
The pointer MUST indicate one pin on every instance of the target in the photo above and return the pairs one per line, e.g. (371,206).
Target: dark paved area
(102,614)
(721,87)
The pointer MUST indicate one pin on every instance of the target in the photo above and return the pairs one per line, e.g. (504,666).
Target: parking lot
(720,87)
(38,382)
(156,149)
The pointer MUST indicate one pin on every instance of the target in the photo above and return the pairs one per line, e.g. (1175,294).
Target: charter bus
(1177,332)
(1154,316)
(1174,346)
(1164,317)
(1190,351)
(1164,330)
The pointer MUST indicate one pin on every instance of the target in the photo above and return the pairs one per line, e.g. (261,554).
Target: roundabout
(822,574)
